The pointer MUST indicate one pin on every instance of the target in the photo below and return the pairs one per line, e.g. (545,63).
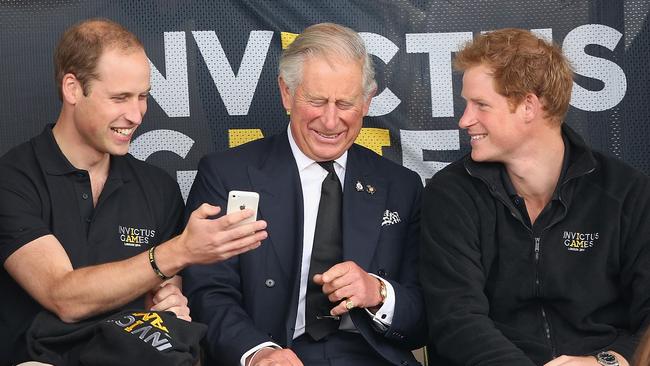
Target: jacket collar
(365,195)
(278,183)
(581,162)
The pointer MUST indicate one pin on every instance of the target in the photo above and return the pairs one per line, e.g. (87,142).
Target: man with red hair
(542,256)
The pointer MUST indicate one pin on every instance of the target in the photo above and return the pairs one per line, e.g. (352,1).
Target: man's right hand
(274,357)
(208,240)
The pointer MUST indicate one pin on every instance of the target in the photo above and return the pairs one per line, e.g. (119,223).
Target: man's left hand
(351,286)
(168,297)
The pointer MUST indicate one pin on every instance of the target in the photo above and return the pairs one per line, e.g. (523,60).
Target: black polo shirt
(41,193)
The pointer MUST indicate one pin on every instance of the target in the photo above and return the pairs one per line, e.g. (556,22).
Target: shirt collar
(54,162)
(303,161)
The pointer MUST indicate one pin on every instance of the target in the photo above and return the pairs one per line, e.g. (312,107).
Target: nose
(135,110)
(467,119)
(330,115)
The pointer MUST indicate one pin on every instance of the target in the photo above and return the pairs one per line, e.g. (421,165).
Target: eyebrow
(126,94)
(309,97)
(313,97)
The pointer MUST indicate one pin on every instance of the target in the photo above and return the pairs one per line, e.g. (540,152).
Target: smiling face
(327,108)
(496,130)
(106,118)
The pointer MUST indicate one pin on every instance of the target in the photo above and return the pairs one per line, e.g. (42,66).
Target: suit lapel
(278,184)
(362,211)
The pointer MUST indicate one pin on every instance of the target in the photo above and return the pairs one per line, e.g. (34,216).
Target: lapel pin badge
(359,186)
(370,189)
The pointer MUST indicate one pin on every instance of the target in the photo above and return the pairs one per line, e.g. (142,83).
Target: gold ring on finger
(349,305)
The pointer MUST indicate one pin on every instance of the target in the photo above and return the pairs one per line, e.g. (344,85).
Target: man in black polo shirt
(80,218)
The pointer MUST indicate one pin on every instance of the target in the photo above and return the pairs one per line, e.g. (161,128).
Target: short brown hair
(81,45)
(522,63)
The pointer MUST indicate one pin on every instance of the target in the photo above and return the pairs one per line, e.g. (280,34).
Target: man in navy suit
(259,306)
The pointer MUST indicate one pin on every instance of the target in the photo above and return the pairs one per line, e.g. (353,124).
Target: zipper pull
(537,248)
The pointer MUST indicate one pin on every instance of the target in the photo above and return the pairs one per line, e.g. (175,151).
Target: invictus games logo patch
(148,327)
(579,242)
(135,237)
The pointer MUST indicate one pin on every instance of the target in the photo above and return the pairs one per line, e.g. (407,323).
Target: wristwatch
(382,291)
(606,359)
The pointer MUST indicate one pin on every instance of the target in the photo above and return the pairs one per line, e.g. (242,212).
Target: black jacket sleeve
(635,265)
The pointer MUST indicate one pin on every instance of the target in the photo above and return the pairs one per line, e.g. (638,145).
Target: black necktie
(326,252)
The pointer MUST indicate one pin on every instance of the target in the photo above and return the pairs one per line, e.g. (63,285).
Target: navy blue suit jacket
(252,298)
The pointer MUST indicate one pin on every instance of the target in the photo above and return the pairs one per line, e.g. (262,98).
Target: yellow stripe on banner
(239,136)
(374,139)
(287,38)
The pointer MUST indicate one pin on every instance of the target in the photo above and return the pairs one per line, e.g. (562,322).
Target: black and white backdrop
(214,69)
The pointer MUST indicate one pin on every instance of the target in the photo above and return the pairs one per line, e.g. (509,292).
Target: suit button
(404,363)
(381,272)
(269,283)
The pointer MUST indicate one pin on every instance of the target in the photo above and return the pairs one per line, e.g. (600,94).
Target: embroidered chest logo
(135,237)
(148,327)
(579,242)
(390,218)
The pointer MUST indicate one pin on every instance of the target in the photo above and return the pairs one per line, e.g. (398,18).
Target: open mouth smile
(123,131)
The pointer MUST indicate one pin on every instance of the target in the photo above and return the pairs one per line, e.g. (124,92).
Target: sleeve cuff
(242,360)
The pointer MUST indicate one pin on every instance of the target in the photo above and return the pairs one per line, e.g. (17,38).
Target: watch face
(606,358)
(609,358)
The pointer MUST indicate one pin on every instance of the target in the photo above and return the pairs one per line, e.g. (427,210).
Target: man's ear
(533,107)
(287,97)
(367,101)
(71,89)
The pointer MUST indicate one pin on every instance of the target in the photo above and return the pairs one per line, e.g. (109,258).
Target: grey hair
(326,40)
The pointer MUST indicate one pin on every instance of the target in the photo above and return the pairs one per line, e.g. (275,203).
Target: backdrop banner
(214,71)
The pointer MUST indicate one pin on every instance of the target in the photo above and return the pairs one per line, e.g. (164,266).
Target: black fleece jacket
(500,292)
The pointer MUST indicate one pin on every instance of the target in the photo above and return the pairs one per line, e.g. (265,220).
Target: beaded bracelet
(152,260)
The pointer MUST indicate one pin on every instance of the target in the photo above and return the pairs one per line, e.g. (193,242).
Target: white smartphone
(241,200)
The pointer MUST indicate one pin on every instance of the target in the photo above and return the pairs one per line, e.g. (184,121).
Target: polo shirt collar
(48,152)
(54,161)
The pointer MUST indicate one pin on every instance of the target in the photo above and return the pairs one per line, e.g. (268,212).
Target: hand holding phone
(241,200)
